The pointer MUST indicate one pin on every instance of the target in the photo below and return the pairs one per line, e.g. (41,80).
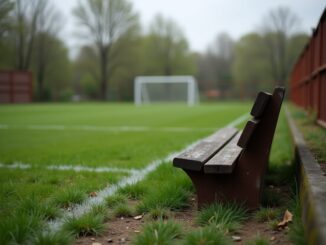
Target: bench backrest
(258,111)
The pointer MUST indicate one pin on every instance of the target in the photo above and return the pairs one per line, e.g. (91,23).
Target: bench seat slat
(225,160)
(195,158)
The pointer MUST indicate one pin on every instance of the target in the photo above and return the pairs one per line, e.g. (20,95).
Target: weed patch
(267,214)
(123,210)
(53,238)
(159,214)
(207,235)
(258,240)
(172,194)
(224,217)
(85,225)
(134,192)
(19,228)
(159,233)
(69,197)
(112,201)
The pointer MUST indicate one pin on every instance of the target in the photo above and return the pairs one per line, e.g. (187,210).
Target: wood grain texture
(195,158)
(225,160)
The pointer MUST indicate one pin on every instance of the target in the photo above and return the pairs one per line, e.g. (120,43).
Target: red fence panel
(16,87)
(322,112)
(308,77)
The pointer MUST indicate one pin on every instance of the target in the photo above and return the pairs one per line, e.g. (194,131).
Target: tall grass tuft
(167,195)
(267,214)
(53,238)
(19,229)
(258,240)
(116,199)
(208,236)
(224,217)
(31,205)
(172,194)
(68,197)
(158,233)
(159,214)
(88,224)
(135,191)
(122,210)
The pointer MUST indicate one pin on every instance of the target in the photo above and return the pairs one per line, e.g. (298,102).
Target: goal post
(151,89)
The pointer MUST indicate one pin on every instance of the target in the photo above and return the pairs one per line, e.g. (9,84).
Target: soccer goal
(157,89)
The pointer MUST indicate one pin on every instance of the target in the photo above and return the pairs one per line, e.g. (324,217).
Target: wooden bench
(230,165)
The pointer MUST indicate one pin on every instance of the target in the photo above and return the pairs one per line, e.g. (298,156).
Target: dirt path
(123,230)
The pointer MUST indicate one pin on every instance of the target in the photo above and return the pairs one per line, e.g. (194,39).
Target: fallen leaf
(93,194)
(138,217)
(286,219)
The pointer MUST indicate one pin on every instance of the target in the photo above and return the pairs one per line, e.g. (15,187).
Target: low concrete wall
(312,189)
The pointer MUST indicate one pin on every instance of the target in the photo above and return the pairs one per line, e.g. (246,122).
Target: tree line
(116,49)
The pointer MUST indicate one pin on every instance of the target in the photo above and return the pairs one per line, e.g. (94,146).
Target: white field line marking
(79,168)
(102,128)
(85,207)
(81,209)
(76,168)
(17,165)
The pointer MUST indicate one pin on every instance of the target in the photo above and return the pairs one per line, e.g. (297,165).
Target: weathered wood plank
(225,160)
(195,158)
(260,104)
(247,132)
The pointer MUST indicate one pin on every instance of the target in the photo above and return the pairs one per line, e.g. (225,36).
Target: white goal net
(157,89)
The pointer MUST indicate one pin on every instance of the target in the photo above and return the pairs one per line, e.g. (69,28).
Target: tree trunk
(103,64)
(40,68)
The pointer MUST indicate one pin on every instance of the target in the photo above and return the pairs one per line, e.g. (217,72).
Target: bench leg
(233,187)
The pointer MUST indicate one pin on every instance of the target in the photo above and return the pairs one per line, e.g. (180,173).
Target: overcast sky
(202,20)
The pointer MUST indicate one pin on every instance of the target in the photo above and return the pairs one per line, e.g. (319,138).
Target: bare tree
(48,23)
(6,7)
(104,22)
(215,65)
(278,26)
(26,16)
(168,44)
(222,46)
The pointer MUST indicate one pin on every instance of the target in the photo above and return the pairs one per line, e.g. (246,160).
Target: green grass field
(93,135)
(104,145)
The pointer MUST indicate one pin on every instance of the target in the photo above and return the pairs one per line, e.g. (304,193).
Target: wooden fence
(16,87)
(308,77)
